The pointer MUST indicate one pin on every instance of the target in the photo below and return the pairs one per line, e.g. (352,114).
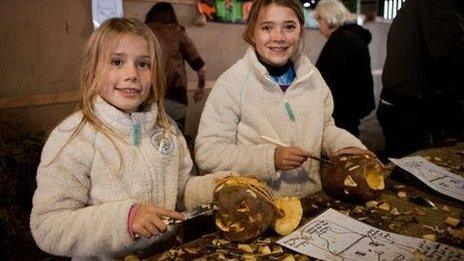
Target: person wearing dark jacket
(345,64)
(422,101)
(177,47)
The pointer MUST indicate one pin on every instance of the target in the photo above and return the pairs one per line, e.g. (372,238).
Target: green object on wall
(229,14)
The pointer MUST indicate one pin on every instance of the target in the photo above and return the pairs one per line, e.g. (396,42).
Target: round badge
(164,145)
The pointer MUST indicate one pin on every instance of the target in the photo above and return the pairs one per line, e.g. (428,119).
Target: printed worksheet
(335,236)
(433,176)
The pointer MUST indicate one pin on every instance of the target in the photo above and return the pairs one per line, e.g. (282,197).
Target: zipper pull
(290,113)
(136,133)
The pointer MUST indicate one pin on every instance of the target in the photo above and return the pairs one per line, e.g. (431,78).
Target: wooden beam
(57,98)
(38,100)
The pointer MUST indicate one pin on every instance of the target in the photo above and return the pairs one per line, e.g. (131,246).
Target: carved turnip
(246,207)
(353,178)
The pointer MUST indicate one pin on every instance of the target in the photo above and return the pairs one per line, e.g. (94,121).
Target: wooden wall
(41,43)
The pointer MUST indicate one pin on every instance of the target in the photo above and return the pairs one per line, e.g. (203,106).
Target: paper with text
(334,236)
(433,176)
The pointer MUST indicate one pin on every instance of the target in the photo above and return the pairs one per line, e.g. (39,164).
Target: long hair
(162,12)
(95,69)
(258,5)
(333,12)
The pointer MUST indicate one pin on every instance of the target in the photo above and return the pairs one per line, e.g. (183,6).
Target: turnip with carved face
(353,178)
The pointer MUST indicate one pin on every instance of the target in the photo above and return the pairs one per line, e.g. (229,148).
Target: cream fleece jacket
(246,103)
(86,188)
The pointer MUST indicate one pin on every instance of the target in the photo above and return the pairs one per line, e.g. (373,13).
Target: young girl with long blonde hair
(111,172)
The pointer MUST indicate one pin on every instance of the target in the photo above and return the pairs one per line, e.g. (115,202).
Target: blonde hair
(95,68)
(333,12)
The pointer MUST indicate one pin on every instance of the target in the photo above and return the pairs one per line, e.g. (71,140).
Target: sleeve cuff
(270,164)
(130,221)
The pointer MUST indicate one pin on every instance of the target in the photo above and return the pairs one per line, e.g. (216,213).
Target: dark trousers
(349,124)
(405,131)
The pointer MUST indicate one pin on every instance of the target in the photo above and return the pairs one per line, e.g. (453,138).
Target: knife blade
(200,210)
(410,196)
(422,201)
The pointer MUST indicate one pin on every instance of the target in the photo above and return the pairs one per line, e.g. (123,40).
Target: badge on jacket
(165,145)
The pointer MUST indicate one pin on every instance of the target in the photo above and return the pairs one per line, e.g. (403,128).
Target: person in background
(178,47)
(114,171)
(272,95)
(345,64)
(422,100)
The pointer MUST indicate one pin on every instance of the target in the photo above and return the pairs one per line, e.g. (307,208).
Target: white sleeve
(195,190)
(62,221)
(216,147)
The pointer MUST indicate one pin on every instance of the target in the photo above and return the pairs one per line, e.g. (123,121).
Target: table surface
(401,216)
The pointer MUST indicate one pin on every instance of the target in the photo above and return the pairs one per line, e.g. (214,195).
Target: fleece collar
(301,64)
(122,122)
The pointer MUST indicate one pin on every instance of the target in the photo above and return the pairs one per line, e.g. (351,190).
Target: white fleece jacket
(246,103)
(82,201)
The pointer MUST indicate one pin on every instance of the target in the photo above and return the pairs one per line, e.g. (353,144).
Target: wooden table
(393,211)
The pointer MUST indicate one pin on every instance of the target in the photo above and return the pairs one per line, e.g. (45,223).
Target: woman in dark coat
(345,64)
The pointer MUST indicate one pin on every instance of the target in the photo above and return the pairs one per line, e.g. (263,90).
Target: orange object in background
(206,9)
(246,10)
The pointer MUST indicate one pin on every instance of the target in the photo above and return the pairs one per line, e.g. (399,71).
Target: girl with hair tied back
(271,111)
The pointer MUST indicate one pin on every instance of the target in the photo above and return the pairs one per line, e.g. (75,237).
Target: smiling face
(276,34)
(128,75)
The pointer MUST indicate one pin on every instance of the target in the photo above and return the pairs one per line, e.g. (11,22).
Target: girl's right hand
(149,221)
(286,158)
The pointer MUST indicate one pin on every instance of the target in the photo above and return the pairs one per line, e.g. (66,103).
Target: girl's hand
(286,158)
(149,221)
(353,150)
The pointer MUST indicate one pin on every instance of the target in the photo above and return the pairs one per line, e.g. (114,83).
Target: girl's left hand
(353,150)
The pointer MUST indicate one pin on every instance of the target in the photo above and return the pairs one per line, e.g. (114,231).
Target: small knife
(203,209)
(410,196)
(422,201)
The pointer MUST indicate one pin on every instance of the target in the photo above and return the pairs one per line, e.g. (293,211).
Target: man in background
(422,101)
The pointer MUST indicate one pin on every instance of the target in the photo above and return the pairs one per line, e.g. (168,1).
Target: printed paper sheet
(334,236)
(433,176)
